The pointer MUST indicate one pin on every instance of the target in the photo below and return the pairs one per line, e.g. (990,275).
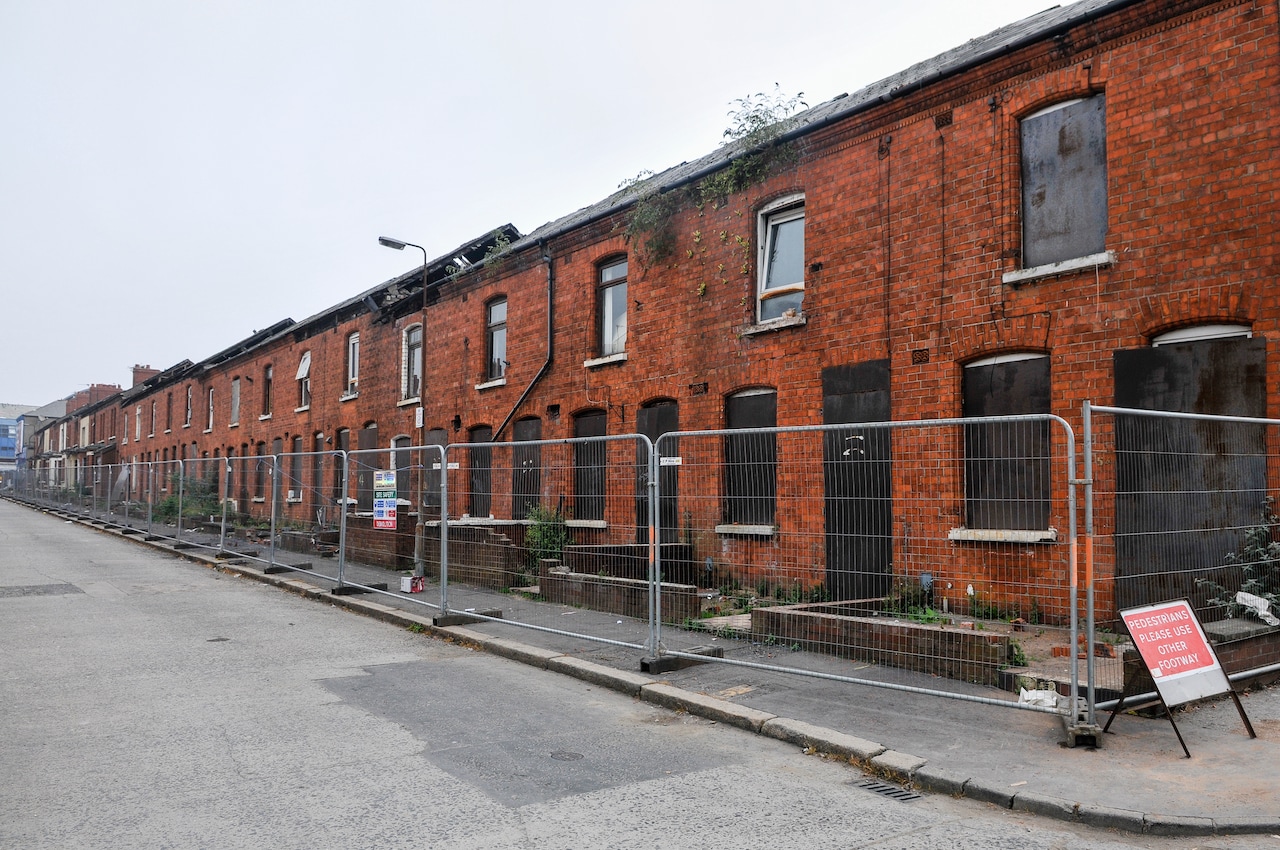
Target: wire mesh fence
(1181,508)
(561,522)
(930,555)
(933,556)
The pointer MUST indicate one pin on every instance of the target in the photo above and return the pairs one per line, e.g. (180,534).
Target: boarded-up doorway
(857,480)
(1186,489)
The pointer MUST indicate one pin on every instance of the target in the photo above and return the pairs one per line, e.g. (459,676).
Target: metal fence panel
(1180,507)
(934,556)
(561,523)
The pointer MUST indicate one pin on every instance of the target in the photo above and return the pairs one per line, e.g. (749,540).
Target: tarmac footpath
(1138,781)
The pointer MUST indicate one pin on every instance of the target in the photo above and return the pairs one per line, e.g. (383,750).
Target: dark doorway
(1186,490)
(858,481)
(654,420)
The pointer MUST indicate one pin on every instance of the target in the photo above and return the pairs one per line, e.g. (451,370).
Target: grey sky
(177,174)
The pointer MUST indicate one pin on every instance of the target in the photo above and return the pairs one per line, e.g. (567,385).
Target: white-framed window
(304,380)
(137,423)
(152,432)
(411,364)
(209,421)
(1064,182)
(496,339)
(780,291)
(186,417)
(235,401)
(353,364)
(612,298)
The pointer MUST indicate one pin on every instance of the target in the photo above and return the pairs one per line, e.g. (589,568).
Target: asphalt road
(151,702)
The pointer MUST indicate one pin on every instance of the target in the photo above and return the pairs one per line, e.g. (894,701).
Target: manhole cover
(565,755)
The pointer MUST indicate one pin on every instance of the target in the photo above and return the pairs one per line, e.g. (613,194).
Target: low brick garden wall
(955,653)
(624,596)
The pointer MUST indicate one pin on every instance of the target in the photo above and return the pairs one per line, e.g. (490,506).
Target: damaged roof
(974,52)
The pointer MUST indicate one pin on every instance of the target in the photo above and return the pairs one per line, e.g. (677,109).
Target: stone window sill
(736,530)
(1003,535)
(595,362)
(1106,258)
(488,385)
(796,321)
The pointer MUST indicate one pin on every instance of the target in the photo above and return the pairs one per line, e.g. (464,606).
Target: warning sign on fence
(384,499)
(1175,650)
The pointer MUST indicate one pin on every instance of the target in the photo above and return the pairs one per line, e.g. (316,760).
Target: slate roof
(974,52)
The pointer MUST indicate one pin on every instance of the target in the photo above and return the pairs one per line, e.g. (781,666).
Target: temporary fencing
(560,522)
(1180,507)
(936,557)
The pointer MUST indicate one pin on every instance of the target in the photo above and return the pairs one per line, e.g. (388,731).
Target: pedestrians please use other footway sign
(1176,652)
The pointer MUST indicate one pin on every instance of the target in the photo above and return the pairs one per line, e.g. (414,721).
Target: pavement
(1138,780)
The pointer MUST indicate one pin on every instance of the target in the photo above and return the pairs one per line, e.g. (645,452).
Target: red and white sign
(1174,647)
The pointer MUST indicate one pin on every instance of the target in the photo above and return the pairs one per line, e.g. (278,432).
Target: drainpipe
(551,324)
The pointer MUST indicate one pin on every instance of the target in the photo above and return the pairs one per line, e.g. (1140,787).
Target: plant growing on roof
(756,124)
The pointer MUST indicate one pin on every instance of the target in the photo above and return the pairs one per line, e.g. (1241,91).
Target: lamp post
(419,528)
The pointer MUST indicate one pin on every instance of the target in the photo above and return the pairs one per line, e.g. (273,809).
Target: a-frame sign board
(1179,657)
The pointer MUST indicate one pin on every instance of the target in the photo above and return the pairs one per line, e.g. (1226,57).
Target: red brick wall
(912,216)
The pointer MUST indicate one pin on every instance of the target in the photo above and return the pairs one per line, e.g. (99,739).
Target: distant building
(9,414)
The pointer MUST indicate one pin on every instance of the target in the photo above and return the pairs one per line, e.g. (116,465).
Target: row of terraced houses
(1078,206)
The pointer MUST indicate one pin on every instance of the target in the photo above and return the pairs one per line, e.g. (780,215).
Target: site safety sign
(1175,650)
(384,499)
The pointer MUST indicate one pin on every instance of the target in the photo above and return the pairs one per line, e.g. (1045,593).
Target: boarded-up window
(589,466)
(1064,182)
(751,459)
(481,479)
(364,464)
(526,473)
(1006,464)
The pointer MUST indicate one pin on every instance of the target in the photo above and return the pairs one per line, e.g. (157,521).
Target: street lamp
(419,530)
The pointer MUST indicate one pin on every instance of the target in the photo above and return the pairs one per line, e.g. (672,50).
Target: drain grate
(887,790)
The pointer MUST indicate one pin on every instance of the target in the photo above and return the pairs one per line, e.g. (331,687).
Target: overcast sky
(177,174)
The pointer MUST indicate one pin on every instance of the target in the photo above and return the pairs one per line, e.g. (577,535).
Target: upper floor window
(152,432)
(268,375)
(496,339)
(613,307)
(1064,182)
(186,419)
(235,401)
(209,423)
(1007,462)
(781,265)
(411,368)
(353,364)
(304,380)
(137,423)
(168,412)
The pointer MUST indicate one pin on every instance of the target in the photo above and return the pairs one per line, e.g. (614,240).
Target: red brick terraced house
(1079,206)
